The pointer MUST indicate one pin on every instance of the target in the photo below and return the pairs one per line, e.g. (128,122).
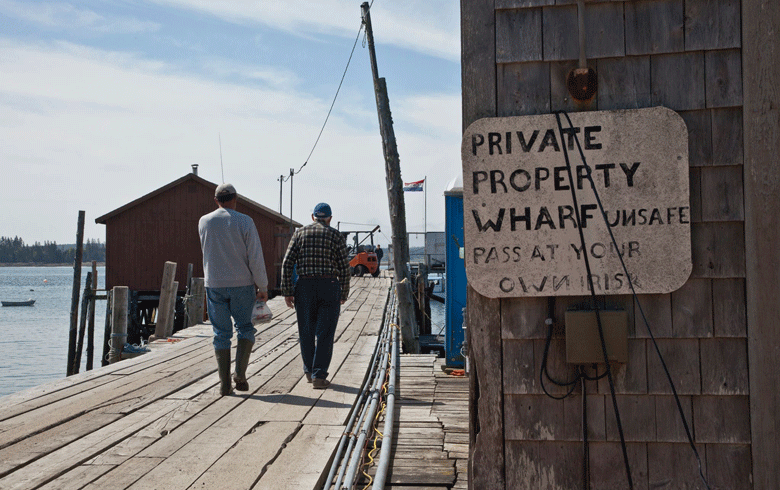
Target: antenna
(220,158)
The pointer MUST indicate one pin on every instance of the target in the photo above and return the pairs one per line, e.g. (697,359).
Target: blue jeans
(317,306)
(226,302)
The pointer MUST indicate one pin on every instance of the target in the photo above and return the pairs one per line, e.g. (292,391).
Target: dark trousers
(317,306)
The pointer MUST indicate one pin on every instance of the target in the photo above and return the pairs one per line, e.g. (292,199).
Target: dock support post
(171,310)
(74,304)
(88,294)
(195,301)
(107,330)
(118,323)
(91,325)
(167,297)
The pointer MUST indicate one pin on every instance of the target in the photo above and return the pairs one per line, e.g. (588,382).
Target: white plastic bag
(261,313)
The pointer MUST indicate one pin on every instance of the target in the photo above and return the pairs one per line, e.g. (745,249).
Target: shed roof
(244,200)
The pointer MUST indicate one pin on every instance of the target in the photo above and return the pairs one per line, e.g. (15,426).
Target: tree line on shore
(15,251)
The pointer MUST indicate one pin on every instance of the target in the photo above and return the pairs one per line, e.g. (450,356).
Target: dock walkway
(157,421)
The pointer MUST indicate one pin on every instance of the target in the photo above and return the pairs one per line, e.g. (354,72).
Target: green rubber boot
(243,351)
(223,365)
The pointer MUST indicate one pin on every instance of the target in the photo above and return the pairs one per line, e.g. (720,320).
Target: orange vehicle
(363,262)
(362,259)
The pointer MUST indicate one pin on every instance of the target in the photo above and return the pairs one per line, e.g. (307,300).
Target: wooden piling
(91,324)
(118,322)
(195,301)
(74,304)
(171,310)
(107,330)
(88,294)
(167,298)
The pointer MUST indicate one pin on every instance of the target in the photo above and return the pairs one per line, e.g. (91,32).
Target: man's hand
(290,300)
(262,296)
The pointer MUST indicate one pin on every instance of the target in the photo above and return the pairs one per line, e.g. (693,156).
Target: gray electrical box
(583,345)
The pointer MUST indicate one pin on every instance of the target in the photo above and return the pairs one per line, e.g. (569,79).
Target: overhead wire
(332,104)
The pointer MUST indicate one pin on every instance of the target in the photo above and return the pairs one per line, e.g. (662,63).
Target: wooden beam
(761,99)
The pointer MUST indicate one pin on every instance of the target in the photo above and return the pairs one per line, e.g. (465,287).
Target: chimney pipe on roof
(195,168)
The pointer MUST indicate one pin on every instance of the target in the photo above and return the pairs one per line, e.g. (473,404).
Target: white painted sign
(520,221)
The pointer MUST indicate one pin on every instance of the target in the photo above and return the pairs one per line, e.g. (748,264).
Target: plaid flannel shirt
(317,250)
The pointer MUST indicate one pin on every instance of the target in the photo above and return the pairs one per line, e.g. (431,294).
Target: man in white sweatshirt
(235,277)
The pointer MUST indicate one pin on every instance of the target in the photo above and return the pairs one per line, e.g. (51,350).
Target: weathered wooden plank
(682,359)
(478,60)
(727,135)
(712,24)
(760,21)
(314,444)
(629,378)
(623,83)
(636,415)
(657,310)
(33,447)
(669,426)
(523,88)
(723,78)
(558,24)
(724,366)
(694,177)
(604,30)
(518,35)
(533,417)
(64,459)
(516,4)
(692,310)
(654,27)
(729,308)
(124,475)
(722,419)
(699,124)
(673,465)
(520,369)
(729,466)
(718,249)
(572,421)
(668,75)
(607,467)
(486,428)
(532,465)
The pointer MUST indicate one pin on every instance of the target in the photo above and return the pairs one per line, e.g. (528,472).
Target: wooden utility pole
(395,196)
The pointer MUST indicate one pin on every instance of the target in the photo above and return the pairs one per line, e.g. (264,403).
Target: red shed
(163,226)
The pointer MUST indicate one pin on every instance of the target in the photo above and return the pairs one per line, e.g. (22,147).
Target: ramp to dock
(157,421)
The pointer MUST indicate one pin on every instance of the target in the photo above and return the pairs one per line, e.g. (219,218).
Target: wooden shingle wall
(685,55)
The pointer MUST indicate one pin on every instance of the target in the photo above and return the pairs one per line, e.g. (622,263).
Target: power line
(357,38)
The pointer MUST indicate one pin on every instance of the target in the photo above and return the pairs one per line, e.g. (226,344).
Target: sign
(521,225)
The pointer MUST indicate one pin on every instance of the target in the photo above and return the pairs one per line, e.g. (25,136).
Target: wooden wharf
(157,421)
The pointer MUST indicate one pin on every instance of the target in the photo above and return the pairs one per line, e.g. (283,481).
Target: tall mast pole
(395,197)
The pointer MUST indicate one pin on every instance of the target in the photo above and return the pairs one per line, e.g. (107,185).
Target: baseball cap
(224,190)
(322,210)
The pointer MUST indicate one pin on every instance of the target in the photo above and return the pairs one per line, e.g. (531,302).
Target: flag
(414,186)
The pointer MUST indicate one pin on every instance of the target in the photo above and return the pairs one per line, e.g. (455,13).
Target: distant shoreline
(35,264)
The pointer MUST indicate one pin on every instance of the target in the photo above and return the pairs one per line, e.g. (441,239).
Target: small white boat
(28,302)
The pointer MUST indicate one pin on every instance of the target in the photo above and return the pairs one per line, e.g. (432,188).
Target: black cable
(593,294)
(641,311)
(332,103)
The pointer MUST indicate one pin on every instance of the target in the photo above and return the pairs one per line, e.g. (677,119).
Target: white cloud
(84,128)
(431,27)
(67,16)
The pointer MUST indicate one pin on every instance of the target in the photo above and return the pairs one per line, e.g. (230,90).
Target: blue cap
(322,210)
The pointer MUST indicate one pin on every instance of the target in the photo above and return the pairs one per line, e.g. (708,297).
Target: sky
(104,101)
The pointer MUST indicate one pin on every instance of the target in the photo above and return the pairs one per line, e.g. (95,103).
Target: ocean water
(34,340)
